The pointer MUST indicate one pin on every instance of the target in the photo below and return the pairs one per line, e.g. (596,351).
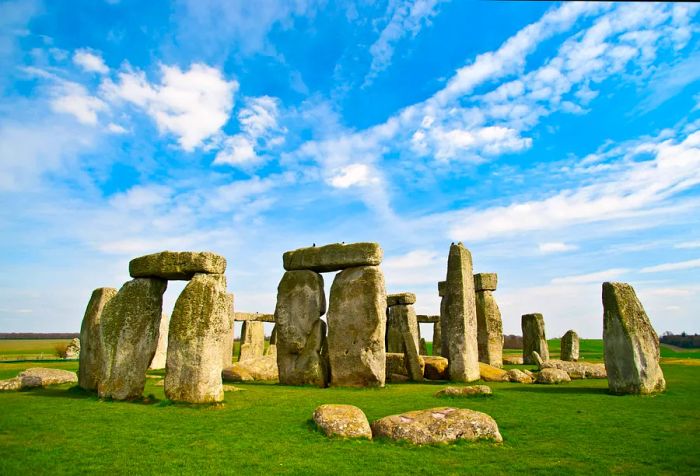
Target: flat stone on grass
(345,421)
(469,391)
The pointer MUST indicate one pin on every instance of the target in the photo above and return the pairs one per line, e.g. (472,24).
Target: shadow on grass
(78,393)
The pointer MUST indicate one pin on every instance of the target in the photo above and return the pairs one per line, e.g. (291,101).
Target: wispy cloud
(555,247)
(681,265)
(90,61)
(597,277)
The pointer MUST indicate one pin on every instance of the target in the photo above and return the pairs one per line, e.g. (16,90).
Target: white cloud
(597,277)
(90,62)
(555,247)
(193,104)
(688,245)
(417,267)
(72,98)
(352,175)
(116,128)
(682,265)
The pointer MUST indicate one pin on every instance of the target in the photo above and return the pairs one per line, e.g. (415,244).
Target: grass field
(571,428)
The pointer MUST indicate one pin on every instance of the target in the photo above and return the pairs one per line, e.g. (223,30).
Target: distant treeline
(681,340)
(39,335)
(512,342)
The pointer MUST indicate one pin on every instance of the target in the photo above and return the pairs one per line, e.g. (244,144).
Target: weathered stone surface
(518,376)
(437,339)
(260,369)
(400,298)
(468,391)
(158,361)
(404,317)
(513,359)
(463,352)
(333,257)
(576,370)
(73,349)
(423,347)
(43,377)
(435,368)
(437,425)
(301,334)
(394,337)
(631,346)
(356,327)
(442,288)
(344,421)
(552,376)
(252,340)
(90,364)
(489,373)
(199,331)
(397,378)
(396,365)
(533,337)
(426,319)
(10,384)
(489,328)
(129,335)
(485,282)
(177,265)
(570,346)
(227,354)
(253,316)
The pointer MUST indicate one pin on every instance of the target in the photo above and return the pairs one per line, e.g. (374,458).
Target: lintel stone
(400,298)
(177,265)
(253,316)
(485,281)
(422,318)
(333,257)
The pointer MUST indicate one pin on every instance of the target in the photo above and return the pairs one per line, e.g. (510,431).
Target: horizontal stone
(428,319)
(333,257)
(400,298)
(253,316)
(485,281)
(442,288)
(177,265)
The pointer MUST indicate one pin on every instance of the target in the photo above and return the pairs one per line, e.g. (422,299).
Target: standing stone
(272,348)
(423,347)
(569,346)
(356,327)
(227,355)
(437,339)
(129,336)
(73,349)
(533,337)
(300,332)
(405,315)
(461,311)
(252,340)
(159,357)
(199,332)
(394,339)
(444,344)
(90,364)
(489,324)
(631,346)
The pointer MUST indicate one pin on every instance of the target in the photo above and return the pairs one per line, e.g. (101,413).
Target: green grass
(21,349)
(571,428)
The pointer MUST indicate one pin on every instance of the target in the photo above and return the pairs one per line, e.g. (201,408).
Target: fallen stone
(177,265)
(552,376)
(576,370)
(159,358)
(533,337)
(485,282)
(469,391)
(437,425)
(490,373)
(461,330)
(396,364)
(570,346)
(631,346)
(263,369)
(252,340)
(10,384)
(199,330)
(43,377)
(232,388)
(518,376)
(333,257)
(129,335)
(356,326)
(90,364)
(435,368)
(300,332)
(513,359)
(344,421)
(73,349)
(397,378)
(400,298)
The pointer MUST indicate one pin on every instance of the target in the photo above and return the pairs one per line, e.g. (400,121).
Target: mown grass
(18,349)
(572,428)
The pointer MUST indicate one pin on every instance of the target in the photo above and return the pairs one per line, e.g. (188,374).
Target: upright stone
(356,327)
(437,339)
(461,311)
(569,346)
(533,337)
(198,336)
(252,340)
(631,346)
(423,346)
(488,317)
(129,336)
(176,265)
(158,361)
(334,257)
(405,315)
(394,338)
(90,363)
(227,355)
(300,332)
(444,345)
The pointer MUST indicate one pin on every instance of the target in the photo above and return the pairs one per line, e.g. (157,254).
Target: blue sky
(559,142)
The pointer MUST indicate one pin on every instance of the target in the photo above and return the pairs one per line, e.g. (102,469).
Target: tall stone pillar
(252,340)
(569,346)
(437,338)
(90,364)
(129,336)
(631,346)
(403,315)
(158,361)
(356,327)
(461,310)
(488,316)
(199,333)
(444,347)
(300,332)
(534,338)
